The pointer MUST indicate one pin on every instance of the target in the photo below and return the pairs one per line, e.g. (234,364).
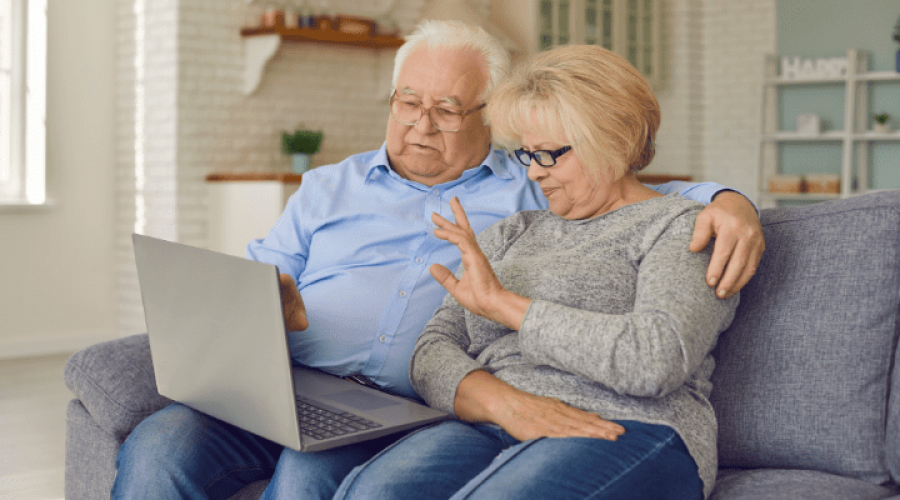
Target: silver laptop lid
(213,320)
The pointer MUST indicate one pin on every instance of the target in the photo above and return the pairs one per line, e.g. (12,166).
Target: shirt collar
(495,162)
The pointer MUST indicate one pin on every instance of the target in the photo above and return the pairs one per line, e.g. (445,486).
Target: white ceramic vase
(300,162)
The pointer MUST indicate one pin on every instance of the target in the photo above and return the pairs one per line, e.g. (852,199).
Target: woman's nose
(535,171)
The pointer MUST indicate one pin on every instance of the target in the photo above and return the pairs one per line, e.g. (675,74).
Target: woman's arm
(481,397)
(477,395)
(447,378)
(733,220)
(650,351)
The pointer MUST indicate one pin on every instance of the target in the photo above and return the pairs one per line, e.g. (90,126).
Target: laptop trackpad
(361,400)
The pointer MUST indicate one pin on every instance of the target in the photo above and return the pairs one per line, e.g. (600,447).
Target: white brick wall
(711,90)
(736,37)
(147,174)
(680,90)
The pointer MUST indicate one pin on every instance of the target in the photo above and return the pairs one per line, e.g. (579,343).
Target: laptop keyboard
(321,422)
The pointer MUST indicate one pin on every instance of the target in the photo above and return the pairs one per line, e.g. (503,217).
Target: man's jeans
(457,460)
(181,453)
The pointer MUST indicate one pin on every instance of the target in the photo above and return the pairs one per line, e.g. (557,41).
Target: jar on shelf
(272,17)
(324,17)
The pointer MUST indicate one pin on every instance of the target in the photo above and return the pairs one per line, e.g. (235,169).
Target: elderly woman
(589,323)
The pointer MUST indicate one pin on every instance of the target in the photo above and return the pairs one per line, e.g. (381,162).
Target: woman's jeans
(457,460)
(179,453)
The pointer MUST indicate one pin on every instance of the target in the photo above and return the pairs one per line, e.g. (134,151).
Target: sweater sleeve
(440,360)
(650,351)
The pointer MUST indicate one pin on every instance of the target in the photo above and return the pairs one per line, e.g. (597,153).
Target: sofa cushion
(802,375)
(774,484)
(115,382)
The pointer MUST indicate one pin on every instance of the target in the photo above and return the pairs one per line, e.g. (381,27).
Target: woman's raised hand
(478,290)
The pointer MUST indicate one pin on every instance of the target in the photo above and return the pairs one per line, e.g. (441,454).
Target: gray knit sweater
(621,322)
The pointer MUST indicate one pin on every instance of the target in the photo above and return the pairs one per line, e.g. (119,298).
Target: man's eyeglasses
(543,157)
(409,112)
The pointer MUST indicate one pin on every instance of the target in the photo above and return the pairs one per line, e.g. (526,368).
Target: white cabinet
(854,139)
(244,207)
(629,28)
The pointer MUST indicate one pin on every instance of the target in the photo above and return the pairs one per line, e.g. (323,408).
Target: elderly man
(357,240)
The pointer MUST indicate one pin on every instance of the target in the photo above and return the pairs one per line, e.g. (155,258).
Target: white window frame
(631,30)
(23,102)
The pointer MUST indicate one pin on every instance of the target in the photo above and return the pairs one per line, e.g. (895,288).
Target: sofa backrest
(804,373)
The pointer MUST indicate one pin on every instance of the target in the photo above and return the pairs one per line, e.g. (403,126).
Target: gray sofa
(805,388)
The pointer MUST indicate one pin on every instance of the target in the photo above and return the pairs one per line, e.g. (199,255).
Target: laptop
(219,345)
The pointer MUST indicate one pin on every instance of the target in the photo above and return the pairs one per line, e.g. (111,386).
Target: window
(629,28)
(23,76)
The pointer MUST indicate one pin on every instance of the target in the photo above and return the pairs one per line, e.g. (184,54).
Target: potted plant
(301,145)
(881,123)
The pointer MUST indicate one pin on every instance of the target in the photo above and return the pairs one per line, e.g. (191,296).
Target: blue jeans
(181,453)
(457,460)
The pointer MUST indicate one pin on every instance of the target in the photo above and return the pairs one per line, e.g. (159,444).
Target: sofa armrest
(90,456)
(115,382)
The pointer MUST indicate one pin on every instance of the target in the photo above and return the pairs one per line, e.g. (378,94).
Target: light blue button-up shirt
(359,241)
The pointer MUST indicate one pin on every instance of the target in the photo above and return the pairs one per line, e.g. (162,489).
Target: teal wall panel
(884,165)
(827,28)
(810,158)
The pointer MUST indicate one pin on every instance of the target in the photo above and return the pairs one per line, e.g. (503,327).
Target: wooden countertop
(662,178)
(283,177)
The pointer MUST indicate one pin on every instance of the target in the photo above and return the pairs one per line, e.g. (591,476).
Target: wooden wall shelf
(331,36)
(260,44)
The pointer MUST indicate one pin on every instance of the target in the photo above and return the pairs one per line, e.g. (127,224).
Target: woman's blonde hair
(584,96)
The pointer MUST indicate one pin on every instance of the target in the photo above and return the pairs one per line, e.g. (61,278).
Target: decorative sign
(794,68)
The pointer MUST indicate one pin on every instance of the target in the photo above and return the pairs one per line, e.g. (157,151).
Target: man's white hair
(456,34)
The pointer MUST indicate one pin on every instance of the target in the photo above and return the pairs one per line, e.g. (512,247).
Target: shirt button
(402,293)
(437,192)
(383,339)
(419,260)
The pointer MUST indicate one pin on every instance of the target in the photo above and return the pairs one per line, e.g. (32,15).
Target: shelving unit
(854,139)
(260,44)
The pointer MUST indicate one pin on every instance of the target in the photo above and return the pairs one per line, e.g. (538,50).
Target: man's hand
(732,220)
(292,305)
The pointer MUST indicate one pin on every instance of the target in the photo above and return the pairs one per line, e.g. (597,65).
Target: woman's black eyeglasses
(543,157)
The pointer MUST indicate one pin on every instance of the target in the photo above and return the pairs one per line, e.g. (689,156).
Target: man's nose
(425,125)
